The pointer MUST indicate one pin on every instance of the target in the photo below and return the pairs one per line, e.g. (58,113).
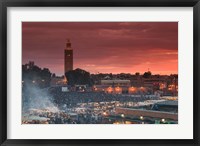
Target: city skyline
(107,47)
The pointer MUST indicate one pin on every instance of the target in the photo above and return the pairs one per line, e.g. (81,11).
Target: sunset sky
(109,47)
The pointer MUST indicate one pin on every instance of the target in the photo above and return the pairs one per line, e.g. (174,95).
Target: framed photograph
(99,72)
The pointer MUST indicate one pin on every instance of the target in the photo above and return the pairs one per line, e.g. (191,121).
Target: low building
(116,82)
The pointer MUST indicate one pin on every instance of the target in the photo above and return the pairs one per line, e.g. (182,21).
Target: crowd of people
(62,106)
(72,98)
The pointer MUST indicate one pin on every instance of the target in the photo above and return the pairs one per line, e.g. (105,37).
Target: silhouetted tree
(32,74)
(79,77)
(147,74)
(53,75)
(137,73)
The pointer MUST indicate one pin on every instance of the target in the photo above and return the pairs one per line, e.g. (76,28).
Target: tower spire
(68,45)
(68,55)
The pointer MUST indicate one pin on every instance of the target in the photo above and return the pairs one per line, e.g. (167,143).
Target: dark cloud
(103,46)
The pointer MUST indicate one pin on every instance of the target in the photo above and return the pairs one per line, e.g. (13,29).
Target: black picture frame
(98,3)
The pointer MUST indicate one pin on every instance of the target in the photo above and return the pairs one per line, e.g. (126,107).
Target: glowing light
(95,88)
(162,86)
(128,122)
(118,90)
(141,117)
(142,88)
(65,80)
(109,89)
(122,115)
(116,123)
(163,120)
(132,89)
(104,113)
(169,88)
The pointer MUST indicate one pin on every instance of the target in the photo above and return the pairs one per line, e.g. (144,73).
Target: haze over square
(103,47)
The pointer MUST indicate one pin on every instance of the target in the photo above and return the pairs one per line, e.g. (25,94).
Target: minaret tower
(68,57)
